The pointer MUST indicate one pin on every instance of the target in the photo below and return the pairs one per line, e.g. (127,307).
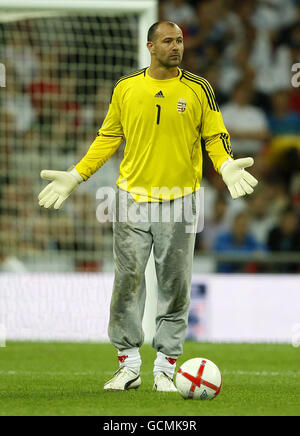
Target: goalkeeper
(162,112)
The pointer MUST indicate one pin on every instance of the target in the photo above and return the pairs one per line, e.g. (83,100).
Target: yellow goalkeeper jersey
(162,122)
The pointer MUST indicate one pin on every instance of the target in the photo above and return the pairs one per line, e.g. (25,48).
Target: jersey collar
(166,81)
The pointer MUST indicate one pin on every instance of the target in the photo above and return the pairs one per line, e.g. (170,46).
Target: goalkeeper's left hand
(238,181)
(61,186)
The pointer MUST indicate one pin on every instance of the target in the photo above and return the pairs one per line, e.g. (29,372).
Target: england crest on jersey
(181,105)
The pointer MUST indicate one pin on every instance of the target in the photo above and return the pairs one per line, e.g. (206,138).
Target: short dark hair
(152,30)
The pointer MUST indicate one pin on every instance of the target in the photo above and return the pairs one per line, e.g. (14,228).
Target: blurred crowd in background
(57,92)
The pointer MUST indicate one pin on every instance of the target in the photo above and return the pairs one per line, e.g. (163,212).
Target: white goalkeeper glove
(63,183)
(238,181)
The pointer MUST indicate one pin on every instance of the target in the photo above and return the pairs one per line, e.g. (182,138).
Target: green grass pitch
(67,379)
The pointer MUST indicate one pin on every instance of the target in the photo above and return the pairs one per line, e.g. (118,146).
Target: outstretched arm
(63,183)
(108,140)
(217,144)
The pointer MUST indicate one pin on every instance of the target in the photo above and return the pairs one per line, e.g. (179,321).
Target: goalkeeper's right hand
(63,183)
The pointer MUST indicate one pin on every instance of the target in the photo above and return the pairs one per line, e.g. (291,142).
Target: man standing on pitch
(162,112)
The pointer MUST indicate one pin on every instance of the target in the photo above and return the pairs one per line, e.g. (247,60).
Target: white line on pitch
(99,373)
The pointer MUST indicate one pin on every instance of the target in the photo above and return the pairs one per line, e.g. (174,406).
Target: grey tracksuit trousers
(173,247)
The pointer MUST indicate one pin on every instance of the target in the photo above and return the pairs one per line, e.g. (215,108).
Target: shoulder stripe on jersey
(206,88)
(212,92)
(186,84)
(226,144)
(128,76)
(202,79)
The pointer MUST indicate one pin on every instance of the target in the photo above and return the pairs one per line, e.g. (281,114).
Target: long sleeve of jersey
(213,130)
(109,138)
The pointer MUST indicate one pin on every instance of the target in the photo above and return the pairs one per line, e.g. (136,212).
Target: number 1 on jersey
(158,113)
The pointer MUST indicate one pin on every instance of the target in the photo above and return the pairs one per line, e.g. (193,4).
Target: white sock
(131,359)
(164,363)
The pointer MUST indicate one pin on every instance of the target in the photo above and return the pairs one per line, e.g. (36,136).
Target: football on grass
(198,379)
